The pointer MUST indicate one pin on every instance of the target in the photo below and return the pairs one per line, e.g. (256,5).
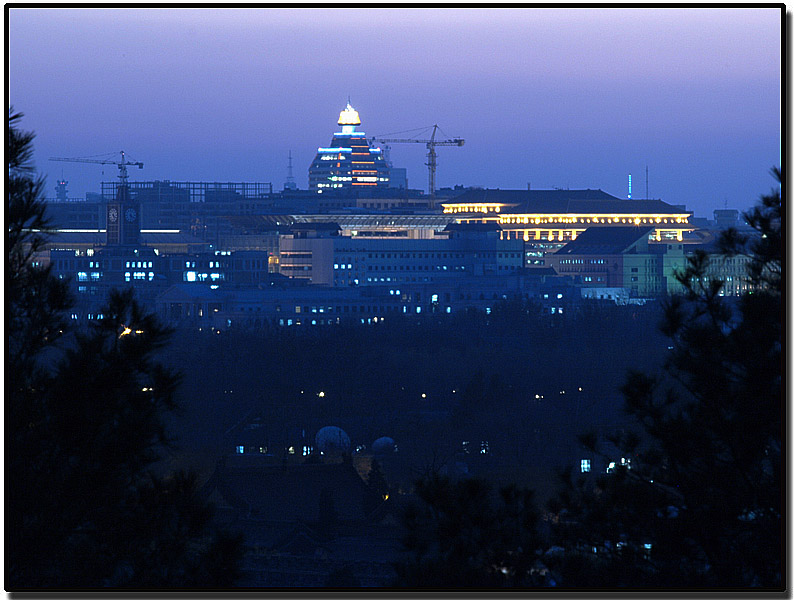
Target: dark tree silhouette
(84,429)
(464,534)
(702,505)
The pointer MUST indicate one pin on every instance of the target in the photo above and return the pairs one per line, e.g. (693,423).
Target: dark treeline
(492,378)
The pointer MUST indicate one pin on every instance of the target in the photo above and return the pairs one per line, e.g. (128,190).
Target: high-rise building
(349,163)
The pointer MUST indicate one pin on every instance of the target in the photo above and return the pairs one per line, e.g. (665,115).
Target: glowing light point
(349,116)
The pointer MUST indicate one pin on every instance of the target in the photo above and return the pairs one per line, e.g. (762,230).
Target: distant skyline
(569,97)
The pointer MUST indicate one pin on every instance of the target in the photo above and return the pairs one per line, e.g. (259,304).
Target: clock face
(113,215)
(130,214)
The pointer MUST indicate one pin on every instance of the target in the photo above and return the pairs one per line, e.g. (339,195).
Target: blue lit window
(240,449)
(82,276)
(585,465)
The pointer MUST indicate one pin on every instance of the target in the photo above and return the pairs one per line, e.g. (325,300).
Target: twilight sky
(570,98)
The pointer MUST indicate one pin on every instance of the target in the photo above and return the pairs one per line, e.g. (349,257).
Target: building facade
(318,253)
(621,257)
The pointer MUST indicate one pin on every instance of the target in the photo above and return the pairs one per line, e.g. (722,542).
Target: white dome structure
(383,445)
(332,440)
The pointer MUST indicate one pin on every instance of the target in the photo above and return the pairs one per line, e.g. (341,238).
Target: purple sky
(557,97)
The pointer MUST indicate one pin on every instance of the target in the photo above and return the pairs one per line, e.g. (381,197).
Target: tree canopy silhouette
(701,505)
(464,534)
(84,428)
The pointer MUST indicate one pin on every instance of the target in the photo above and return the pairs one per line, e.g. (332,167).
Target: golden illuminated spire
(349,116)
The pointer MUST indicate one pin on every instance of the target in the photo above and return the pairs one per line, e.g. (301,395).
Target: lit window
(82,276)
(240,449)
(585,465)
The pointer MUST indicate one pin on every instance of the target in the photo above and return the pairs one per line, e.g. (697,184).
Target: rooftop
(605,240)
(564,201)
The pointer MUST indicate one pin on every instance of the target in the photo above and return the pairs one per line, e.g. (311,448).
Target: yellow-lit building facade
(562,215)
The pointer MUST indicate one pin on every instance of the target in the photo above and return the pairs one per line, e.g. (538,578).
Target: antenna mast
(290,183)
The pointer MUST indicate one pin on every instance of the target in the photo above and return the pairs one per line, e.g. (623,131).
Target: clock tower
(123,219)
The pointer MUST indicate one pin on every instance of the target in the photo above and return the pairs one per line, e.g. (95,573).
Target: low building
(318,253)
(621,257)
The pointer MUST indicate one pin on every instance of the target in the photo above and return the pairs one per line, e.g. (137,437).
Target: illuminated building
(621,257)
(349,162)
(547,219)
(318,253)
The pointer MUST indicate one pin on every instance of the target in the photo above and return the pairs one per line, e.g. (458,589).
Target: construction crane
(121,165)
(431,153)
